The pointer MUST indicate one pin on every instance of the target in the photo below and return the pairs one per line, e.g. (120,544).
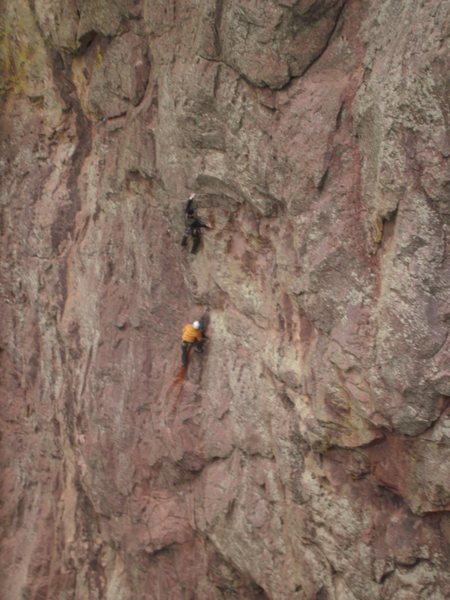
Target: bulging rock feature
(268,43)
(304,454)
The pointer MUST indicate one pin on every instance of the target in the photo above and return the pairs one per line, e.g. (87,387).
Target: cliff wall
(306,455)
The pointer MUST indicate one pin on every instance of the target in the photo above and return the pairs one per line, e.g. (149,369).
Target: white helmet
(192,196)
(196,325)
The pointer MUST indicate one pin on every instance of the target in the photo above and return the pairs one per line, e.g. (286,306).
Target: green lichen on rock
(25,63)
(15,61)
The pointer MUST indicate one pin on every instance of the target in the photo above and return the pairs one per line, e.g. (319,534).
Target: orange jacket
(190,334)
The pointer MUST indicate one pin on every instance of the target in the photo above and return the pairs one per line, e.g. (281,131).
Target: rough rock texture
(306,456)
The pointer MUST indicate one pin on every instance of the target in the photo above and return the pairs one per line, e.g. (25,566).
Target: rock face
(306,456)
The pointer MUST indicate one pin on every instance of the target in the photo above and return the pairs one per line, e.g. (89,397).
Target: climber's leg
(185,347)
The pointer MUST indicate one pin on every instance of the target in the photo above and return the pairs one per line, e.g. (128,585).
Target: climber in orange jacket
(192,337)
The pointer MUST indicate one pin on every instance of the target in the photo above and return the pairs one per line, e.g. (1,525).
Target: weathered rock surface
(307,454)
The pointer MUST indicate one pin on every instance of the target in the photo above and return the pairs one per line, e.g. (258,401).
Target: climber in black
(192,225)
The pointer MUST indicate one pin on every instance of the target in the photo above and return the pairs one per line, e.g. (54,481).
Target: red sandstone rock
(305,454)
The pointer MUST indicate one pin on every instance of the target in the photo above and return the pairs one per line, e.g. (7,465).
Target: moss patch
(16,59)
